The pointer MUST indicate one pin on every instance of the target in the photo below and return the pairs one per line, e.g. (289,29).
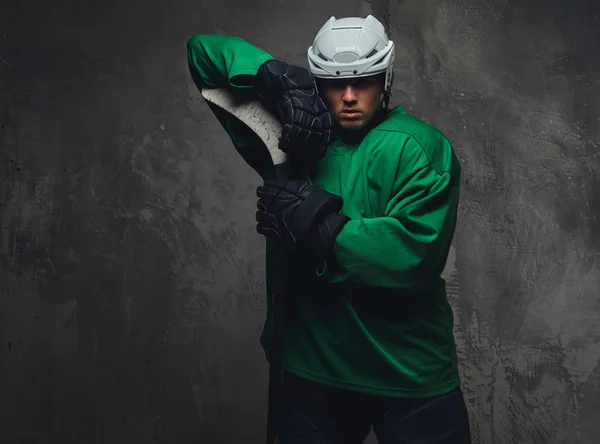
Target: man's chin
(351,125)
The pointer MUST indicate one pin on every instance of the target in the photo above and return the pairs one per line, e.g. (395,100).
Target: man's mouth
(350,113)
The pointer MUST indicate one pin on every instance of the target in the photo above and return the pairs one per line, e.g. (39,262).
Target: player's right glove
(290,92)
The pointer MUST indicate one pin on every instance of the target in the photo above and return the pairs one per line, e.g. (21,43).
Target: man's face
(352,102)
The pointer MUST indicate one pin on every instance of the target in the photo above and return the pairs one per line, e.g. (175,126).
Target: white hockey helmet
(352,47)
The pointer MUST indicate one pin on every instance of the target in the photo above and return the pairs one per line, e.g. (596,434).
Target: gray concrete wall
(132,278)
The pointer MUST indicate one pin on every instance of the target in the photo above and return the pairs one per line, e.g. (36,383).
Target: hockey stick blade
(253,114)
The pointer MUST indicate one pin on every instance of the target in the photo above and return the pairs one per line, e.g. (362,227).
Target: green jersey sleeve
(407,247)
(217,61)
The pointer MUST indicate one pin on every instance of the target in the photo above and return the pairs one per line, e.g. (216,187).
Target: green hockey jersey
(377,320)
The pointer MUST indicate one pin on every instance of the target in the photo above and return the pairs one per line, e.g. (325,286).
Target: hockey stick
(266,126)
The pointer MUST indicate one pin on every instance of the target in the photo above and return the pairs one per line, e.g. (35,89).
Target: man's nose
(349,94)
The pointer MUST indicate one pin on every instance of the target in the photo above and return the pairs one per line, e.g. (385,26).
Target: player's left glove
(300,215)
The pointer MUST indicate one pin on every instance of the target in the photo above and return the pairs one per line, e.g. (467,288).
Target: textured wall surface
(132,278)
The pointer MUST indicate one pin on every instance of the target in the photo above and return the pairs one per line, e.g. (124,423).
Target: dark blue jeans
(310,413)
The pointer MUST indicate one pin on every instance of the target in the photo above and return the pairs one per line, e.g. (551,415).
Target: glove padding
(300,215)
(289,92)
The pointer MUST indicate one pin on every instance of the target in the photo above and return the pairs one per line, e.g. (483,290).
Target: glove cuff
(266,83)
(324,237)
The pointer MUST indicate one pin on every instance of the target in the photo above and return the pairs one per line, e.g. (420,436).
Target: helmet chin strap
(387,95)
(385,99)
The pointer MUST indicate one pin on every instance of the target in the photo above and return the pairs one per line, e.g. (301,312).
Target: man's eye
(334,85)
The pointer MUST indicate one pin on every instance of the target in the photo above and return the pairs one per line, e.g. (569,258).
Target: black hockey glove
(289,92)
(300,214)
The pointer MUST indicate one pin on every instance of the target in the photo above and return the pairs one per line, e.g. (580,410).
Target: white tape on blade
(253,114)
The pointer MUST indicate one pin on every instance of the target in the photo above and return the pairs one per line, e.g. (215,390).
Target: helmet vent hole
(354,72)
(322,57)
(337,72)
(372,53)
